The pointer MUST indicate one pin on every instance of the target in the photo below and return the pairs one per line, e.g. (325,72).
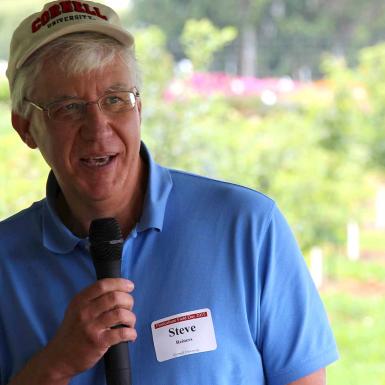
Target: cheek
(129,131)
(52,145)
(49,151)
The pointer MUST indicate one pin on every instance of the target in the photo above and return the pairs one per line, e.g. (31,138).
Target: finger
(112,337)
(103,286)
(116,317)
(109,301)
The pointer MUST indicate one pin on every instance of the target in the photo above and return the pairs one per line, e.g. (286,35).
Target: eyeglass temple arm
(40,108)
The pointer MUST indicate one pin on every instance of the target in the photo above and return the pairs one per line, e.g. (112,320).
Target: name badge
(183,334)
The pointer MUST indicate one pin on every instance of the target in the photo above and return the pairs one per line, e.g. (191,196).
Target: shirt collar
(59,239)
(56,236)
(158,189)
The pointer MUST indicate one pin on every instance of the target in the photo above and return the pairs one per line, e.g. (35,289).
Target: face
(95,159)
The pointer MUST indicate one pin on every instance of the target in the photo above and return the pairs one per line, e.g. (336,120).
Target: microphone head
(106,240)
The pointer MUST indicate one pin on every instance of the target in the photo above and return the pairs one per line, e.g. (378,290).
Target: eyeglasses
(75,109)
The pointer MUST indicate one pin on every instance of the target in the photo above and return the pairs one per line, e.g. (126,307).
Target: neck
(77,215)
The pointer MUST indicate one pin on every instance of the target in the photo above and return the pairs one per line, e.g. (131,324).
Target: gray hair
(80,52)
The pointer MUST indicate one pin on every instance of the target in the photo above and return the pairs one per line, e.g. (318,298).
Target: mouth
(98,161)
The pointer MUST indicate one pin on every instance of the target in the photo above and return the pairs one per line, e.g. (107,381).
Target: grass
(359,328)
(373,241)
(355,301)
(365,270)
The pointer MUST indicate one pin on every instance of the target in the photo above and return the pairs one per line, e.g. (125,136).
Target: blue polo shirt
(200,247)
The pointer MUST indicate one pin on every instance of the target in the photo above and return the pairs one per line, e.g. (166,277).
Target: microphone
(106,245)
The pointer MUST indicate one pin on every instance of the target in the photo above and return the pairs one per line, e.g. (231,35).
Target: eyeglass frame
(46,108)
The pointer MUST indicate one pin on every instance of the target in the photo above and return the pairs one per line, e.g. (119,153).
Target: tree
(276,37)
(201,39)
(371,72)
(173,14)
(358,108)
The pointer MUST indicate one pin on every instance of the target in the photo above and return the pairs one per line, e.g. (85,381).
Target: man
(222,294)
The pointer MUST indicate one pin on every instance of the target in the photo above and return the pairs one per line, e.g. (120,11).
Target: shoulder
(219,192)
(20,224)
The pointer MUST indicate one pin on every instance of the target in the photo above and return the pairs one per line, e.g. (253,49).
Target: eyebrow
(61,98)
(118,87)
(112,88)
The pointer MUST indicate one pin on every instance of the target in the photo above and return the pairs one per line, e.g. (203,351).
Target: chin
(96,192)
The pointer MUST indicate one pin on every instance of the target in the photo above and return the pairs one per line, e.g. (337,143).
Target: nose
(95,124)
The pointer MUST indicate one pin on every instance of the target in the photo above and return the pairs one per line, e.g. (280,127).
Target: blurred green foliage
(370,271)
(373,241)
(155,63)
(308,154)
(371,72)
(22,171)
(289,36)
(358,324)
(201,39)
(4,90)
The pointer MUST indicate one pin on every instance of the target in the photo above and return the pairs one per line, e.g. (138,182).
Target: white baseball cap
(60,18)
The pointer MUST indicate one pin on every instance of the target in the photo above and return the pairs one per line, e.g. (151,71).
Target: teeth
(98,161)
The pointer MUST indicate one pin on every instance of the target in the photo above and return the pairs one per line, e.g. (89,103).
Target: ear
(22,126)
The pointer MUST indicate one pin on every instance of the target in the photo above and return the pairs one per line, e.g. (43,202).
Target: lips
(98,161)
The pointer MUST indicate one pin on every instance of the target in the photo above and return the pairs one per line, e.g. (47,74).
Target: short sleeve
(2,356)
(295,338)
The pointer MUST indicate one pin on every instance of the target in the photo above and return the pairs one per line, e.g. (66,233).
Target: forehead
(55,81)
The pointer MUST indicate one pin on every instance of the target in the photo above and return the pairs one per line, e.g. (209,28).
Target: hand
(86,332)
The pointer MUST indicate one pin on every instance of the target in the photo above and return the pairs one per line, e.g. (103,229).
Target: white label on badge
(182,334)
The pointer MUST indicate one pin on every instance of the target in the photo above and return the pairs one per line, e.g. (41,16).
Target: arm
(84,335)
(316,378)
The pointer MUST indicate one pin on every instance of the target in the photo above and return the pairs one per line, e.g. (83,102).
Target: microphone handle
(117,365)
(116,359)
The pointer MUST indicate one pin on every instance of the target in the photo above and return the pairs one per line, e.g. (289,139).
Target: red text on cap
(65,7)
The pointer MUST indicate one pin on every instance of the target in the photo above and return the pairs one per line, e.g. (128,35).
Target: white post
(316,265)
(353,241)
(380,208)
